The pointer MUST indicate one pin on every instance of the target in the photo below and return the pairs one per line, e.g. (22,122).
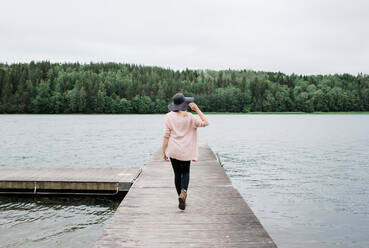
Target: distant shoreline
(293,113)
(214,113)
(44,87)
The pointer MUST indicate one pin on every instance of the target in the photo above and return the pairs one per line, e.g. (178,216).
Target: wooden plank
(216,214)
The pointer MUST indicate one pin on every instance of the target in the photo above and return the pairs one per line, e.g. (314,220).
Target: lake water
(306,177)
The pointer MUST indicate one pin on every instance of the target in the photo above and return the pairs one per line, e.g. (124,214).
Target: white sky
(309,37)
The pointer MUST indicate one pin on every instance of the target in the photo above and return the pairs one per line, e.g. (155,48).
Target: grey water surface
(306,177)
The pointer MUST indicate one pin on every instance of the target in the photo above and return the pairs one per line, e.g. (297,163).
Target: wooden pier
(216,214)
(67,181)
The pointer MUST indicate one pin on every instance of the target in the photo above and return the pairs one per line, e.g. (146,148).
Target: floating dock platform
(216,214)
(67,181)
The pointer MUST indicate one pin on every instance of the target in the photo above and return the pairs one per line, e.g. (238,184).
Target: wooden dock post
(216,214)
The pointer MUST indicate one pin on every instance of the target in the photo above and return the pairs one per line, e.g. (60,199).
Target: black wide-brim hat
(180,102)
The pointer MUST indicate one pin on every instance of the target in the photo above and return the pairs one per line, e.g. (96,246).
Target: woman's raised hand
(193,106)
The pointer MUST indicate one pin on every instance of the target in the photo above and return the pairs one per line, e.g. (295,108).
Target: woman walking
(180,141)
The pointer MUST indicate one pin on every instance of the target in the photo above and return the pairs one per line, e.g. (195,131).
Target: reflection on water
(53,222)
(305,176)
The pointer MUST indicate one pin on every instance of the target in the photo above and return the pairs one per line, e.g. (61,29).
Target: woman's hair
(184,112)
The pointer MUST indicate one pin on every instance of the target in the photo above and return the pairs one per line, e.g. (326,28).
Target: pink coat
(182,133)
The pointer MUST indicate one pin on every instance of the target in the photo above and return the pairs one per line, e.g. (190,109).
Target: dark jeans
(181,171)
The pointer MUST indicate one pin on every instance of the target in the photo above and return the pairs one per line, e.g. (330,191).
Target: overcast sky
(309,37)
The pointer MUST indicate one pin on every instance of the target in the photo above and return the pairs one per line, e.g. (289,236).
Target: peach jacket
(182,133)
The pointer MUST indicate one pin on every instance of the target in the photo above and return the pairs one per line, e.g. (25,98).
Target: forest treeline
(44,87)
